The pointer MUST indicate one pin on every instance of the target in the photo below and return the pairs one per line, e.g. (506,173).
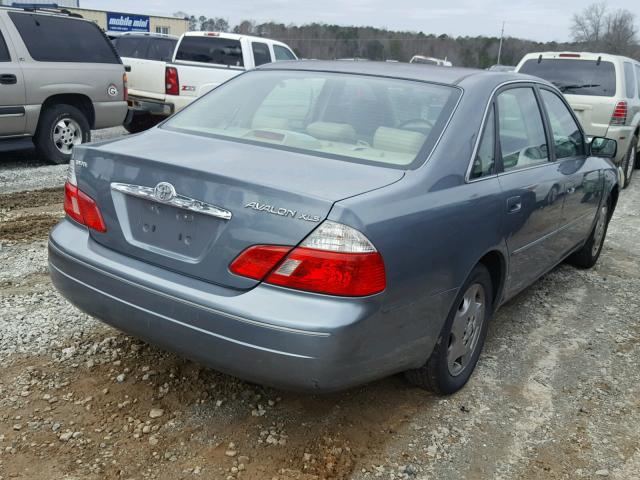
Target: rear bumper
(180,101)
(268,335)
(144,106)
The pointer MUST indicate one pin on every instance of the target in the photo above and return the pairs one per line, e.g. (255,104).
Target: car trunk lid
(273,197)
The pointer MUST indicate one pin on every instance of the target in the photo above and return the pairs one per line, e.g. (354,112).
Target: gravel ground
(556,394)
(17,172)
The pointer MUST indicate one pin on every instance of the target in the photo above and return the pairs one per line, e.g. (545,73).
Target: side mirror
(603,147)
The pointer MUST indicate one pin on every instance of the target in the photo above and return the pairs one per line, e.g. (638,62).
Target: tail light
(619,116)
(335,260)
(125,87)
(80,206)
(171,80)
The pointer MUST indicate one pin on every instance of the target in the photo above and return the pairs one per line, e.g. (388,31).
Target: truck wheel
(628,164)
(588,255)
(458,348)
(60,128)
(140,123)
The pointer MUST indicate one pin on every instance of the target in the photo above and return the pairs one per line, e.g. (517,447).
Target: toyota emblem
(164,192)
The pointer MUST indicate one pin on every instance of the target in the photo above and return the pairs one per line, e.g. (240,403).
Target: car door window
(4,51)
(637,68)
(567,137)
(261,53)
(283,53)
(521,131)
(484,161)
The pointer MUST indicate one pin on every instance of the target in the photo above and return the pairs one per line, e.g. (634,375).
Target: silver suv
(60,77)
(604,92)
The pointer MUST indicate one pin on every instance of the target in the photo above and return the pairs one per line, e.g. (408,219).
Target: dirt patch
(90,414)
(27,228)
(33,199)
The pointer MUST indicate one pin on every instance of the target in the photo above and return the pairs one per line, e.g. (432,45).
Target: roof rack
(33,7)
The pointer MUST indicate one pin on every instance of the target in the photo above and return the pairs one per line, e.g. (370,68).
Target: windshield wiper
(570,86)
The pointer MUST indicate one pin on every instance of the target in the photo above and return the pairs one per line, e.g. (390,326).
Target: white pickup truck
(201,61)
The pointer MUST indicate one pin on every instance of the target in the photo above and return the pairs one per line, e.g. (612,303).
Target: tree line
(594,29)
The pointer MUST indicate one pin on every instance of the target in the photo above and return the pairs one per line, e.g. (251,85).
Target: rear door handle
(514,204)
(8,79)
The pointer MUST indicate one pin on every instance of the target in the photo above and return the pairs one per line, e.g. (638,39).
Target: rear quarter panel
(432,227)
(146,78)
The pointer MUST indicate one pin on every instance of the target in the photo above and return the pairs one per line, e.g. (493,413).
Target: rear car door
(581,175)
(12,91)
(531,184)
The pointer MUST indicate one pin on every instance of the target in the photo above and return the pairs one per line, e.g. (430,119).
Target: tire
(588,255)
(140,123)
(60,128)
(628,164)
(637,160)
(444,374)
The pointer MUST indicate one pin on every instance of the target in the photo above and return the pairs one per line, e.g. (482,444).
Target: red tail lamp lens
(82,208)
(257,261)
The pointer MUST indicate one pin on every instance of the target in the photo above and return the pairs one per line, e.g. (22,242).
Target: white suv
(603,90)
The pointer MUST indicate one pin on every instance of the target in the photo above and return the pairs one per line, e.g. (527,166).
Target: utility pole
(500,47)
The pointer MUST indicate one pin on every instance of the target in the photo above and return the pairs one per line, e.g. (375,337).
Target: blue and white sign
(125,22)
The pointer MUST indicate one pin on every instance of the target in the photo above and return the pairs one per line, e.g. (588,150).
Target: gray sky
(538,20)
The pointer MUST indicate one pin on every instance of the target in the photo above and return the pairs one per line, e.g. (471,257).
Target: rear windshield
(223,51)
(61,39)
(575,77)
(351,117)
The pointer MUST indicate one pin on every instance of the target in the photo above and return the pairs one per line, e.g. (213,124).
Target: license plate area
(170,230)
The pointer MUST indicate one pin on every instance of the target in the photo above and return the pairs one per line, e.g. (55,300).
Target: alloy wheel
(598,233)
(66,133)
(466,329)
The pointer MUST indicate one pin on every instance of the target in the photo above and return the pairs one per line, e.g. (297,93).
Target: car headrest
(338,132)
(396,140)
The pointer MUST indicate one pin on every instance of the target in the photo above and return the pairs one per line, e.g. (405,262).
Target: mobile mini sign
(125,22)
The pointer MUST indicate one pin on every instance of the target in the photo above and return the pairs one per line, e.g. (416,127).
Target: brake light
(569,55)
(619,116)
(257,261)
(82,208)
(125,87)
(335,260)
(172,82)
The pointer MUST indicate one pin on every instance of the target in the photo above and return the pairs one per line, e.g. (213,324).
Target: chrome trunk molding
(178,201)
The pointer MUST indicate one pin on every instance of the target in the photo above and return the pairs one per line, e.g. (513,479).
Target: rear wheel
(458,348)
(60,128)
(588,255)
(629,161)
